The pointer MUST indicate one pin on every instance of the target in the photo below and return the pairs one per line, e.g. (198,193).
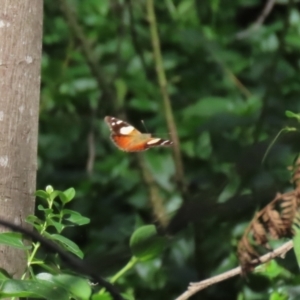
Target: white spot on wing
(119,122)
(153,141)
(126,130)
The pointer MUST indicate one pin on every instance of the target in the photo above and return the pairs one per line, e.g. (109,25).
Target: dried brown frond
(296,173)
(274,221)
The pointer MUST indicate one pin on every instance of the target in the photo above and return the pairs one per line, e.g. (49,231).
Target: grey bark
(20,58)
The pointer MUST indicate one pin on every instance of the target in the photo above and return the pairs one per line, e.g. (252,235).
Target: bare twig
(198,286)
(91,152)
(163,84)
(156,201)
(259,21)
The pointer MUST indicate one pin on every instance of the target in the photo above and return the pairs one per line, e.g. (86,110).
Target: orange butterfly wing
(129,139)
(129,143)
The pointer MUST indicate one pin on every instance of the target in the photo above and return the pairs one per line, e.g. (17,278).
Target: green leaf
(33,220)
(54,194)
(208,107)
(279,296)
(45,209)
(103,9)
(105,296)
(292,40)
(69,195)
(203,145)
(296,241)
(290,114)
(75,217)
(66,243)
(273,270)
(42,194)
(77,286)
(142,104)
(121,89)
(58,226)
(145,244)
(37,224)
(13,239)
(32,289)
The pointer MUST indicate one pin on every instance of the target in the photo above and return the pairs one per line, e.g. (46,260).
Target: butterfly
(129,139)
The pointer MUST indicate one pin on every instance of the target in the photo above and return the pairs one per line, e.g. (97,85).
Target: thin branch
(156,201)
(91,146)
(91,152)
(259,21)
(77,264)
(198,286)
(163,84)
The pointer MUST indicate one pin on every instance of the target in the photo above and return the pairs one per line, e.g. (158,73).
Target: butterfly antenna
(142,121)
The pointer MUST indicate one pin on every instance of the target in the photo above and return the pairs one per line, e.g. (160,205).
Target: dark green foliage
(229,84)
(145,244)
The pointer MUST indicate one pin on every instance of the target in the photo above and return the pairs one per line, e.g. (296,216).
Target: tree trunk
(20,58)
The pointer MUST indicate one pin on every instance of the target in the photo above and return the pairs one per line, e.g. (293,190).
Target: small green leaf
(45,209)
(145,244)
(70,194)
(32,220)
(75,217)
(104,7)
(273,270)
(13,239)
(296,240)
(290,114)
(77,286)
(58,226)
(66,243)
(121,89)
(208,107)
(32,289)
(42,194)
(278,296)
(53,195)
(105,296)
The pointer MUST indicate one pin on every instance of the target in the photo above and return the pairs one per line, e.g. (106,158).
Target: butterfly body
(129,139)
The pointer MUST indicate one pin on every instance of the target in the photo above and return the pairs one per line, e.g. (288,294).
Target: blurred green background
(233,71)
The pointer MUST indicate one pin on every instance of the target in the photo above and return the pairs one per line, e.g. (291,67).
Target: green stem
(36,246)
(127,267)
(31,257)
(163,84)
